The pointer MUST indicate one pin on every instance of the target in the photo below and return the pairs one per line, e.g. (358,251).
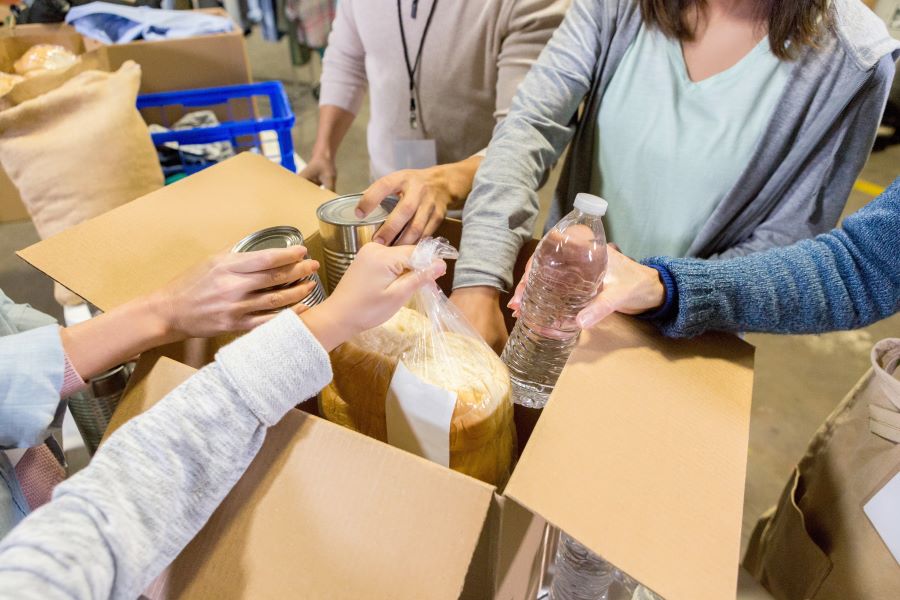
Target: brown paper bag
(817,543)
(78,150)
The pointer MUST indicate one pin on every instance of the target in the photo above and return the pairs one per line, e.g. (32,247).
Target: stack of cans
(284,236)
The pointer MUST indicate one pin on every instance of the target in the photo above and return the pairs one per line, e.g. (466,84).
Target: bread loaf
(8,81)
(482,433)
(42,58)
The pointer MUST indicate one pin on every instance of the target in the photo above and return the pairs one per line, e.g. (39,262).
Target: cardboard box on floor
(640,454)
(189,63)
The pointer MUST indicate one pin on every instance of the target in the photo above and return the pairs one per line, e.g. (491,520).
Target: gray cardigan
(794,187)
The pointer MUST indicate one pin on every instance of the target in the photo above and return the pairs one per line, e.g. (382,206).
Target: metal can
(93,407)
(283,236)
(343,233)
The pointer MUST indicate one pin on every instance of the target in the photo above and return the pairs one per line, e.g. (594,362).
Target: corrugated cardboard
(166,65)
(326,513)
(140,248)
(641,453)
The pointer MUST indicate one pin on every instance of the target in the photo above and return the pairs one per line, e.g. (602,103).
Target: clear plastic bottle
(566,273)
(578,573)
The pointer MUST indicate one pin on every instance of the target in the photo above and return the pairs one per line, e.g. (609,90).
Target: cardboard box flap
(325,512)
(641,455)
(142,245)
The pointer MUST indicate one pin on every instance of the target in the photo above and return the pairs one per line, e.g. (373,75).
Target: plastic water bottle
(566,273)
(579,574)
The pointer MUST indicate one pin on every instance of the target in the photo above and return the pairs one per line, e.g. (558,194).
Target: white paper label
(418,416)
(883,511)
(414,154)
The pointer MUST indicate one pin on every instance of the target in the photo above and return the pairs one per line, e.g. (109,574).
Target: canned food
(93,407)
(283,236)
(343,233)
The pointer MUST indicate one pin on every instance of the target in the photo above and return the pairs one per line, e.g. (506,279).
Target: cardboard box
(640,454)
(190,63)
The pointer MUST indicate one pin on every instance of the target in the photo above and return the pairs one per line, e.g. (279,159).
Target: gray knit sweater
(844,279)
(113,527)
(793,188)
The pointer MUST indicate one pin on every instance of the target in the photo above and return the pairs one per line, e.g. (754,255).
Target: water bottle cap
(591,204)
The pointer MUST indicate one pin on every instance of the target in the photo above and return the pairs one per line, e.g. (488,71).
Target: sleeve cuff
(670,306)
(276,366)
(72,380)
(345,97)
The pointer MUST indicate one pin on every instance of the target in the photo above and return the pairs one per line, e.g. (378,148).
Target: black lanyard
(411,69)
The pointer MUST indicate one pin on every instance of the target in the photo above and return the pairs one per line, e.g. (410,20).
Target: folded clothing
(116,24)
(199,153)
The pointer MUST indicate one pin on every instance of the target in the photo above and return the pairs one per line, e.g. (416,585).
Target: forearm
(501,210)
(117,336)
(113,527)
(334,122)
(841,280)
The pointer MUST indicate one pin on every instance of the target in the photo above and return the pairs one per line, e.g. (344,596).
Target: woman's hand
(425,196)
(377,284)
(225,294)
(628,287)
(230,292)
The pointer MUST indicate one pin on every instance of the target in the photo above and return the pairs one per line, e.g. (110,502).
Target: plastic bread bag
(426,382)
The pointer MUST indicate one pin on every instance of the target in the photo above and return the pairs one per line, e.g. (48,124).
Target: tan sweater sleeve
(525,27)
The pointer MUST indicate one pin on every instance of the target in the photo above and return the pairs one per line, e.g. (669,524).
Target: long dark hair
(792,24)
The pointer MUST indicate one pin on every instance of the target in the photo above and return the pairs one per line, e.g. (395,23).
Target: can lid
(342,211)
(283,236)
(591,204)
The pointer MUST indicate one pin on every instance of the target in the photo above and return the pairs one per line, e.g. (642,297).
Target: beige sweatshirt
(475,55)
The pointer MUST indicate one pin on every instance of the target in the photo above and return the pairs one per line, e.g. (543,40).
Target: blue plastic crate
(238,107)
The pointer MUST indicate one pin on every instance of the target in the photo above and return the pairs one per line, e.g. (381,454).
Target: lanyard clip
(415,9)
(413,116)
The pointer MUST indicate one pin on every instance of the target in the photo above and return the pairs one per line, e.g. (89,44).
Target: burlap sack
(79,150)
(817,543)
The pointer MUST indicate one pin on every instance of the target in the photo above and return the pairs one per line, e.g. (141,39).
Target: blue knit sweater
(843,279)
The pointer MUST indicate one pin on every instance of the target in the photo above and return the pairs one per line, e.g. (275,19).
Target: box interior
(654,481)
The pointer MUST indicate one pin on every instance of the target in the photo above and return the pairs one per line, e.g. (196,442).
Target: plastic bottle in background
(566,273)
(579,574)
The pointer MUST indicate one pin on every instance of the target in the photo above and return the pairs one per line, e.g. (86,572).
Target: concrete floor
(799,379)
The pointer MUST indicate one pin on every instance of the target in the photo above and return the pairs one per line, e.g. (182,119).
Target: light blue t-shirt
(668,149)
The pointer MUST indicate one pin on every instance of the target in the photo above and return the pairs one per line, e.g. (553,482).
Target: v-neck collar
(676,54)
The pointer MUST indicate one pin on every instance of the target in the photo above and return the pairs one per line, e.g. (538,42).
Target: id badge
(882,512)
(414,154)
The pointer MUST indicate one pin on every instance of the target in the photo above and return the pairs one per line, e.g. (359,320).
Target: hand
(425,196)
(321,170)
(230,292)
(481,307)
(377,284)
(628,287)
